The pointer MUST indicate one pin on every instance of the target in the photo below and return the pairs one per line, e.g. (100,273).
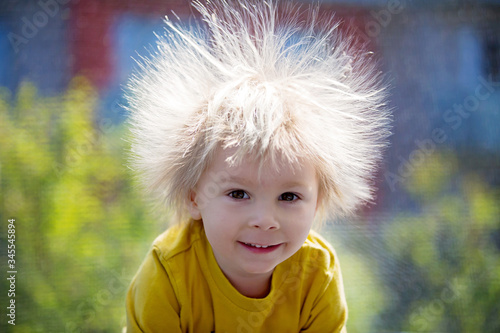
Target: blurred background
(424,258)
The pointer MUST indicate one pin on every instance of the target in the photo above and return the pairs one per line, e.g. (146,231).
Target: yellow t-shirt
(180,288)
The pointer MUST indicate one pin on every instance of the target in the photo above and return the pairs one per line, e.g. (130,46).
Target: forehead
(251,168)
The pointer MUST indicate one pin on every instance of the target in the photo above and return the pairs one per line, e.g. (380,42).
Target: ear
(193,206)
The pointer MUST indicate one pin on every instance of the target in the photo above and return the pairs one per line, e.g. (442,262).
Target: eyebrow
(240,180)
(295,184)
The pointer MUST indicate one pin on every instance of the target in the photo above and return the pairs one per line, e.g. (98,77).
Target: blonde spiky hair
(266,83)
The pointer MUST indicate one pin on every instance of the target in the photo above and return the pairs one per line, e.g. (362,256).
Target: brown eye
(238,194)
(288,196)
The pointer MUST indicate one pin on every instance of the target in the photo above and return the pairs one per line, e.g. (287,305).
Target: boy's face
(254,223)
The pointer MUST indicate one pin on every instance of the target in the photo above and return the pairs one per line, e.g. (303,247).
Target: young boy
(250,133)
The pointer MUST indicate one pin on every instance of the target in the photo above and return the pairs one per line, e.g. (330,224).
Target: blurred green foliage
(81,228)
(442,262)
(435,268)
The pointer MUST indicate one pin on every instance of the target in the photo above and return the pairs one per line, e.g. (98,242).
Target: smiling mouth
(259,246)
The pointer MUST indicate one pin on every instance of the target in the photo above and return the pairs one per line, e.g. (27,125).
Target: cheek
(214,234)
(300,221)
(303,213)
(218,223)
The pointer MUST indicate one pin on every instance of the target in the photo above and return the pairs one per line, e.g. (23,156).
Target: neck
(254,287)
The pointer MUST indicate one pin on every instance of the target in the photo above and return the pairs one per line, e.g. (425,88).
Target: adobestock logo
(381,19)
(453,118)
(88,309)
(217,181)
(31,26)
(426,314)
(290,283)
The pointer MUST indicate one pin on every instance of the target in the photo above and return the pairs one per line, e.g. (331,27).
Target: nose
(265,217)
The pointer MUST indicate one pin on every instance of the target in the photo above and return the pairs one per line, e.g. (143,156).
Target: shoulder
(324,303)
(318,252)
(177,240)
(315,264)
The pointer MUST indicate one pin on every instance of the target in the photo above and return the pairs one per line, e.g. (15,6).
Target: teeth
(258,246)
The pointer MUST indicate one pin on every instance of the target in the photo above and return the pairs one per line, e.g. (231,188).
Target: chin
(259,269)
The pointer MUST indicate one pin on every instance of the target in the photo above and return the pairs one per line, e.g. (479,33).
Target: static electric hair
(267,80)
